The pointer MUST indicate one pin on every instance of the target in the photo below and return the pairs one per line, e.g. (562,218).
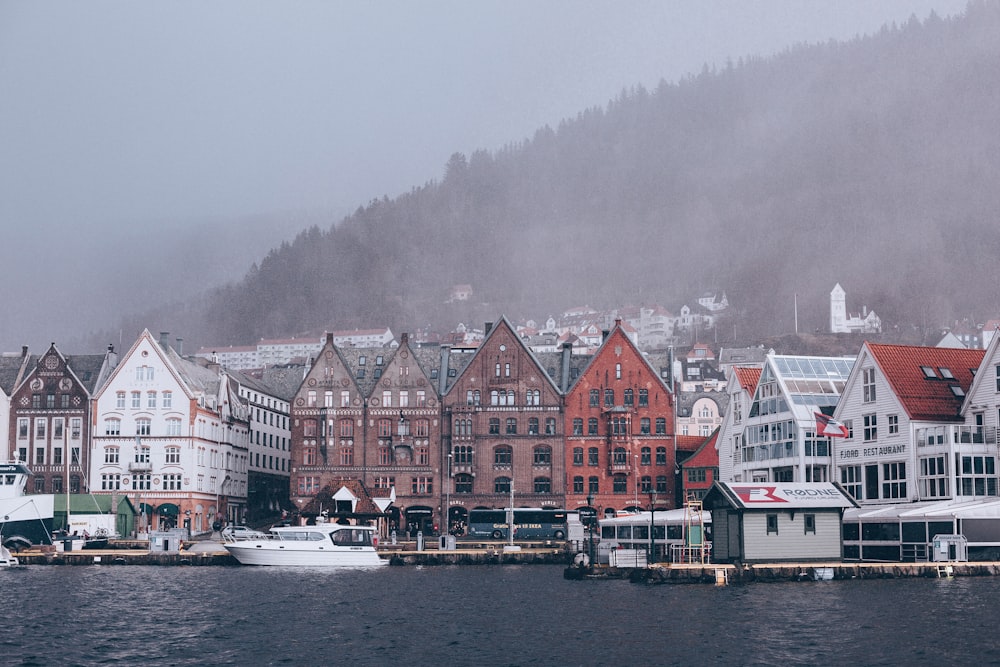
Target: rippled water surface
(481,615)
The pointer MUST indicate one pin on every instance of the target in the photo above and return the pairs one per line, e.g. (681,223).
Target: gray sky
(130,129)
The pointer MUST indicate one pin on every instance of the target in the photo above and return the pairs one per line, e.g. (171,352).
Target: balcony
(140,466)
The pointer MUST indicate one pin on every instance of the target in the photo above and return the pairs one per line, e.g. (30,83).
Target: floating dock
(775,572)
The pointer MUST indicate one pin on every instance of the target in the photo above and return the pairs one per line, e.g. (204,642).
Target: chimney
(164,335)
(604,335)
(488,328)
(567,354)
(24,351)
(404,338)
(180,346)
(329,338)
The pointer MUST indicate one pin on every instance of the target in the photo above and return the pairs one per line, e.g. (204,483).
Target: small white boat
(7,559)
(322,545)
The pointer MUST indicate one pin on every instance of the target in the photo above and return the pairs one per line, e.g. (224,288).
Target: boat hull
(265,552)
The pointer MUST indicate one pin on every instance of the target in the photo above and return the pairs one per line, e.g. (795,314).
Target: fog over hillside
(871,163)
(143,171)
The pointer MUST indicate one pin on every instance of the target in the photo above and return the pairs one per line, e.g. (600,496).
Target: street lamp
(652,526)
(636,482)
(447,499)
(593,519)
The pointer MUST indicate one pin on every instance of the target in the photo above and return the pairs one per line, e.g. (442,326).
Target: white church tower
(838,310)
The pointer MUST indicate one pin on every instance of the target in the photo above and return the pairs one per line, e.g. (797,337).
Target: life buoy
(374,540)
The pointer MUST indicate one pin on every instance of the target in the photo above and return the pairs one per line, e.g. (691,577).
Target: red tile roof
(689,443)
(927,398)
(707,456)
(748,377)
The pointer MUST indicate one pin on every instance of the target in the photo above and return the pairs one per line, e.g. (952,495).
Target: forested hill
(873,163)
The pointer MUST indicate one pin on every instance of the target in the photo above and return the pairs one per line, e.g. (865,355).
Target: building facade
(907,437)
(619,443)
(778,441)
(50,418)
(173,435)
(505,429)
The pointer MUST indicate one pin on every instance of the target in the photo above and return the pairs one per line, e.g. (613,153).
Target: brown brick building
(373,415)
(619,432)
(50,418)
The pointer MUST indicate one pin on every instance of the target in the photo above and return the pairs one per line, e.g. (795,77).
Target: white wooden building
(771,523)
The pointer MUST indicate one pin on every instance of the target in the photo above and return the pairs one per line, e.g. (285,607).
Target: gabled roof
(927,395)
(772,496)
(689,443)
(10,371)
(747,377)
(707,454)
(324,500)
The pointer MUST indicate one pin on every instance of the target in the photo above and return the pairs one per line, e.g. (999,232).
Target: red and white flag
(829,427)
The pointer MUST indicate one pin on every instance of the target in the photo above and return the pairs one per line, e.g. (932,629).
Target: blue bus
(529,524)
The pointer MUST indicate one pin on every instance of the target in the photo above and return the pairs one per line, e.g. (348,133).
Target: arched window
(309,428)
(619,456)
(385,428)
(578,484)
(628,397)
(173,426)
(543,485)
(661,456)
(463,455)
(646,455)
(346,428)
(542,455)
(577,426)
(501,485)
(646,484)
(142,426)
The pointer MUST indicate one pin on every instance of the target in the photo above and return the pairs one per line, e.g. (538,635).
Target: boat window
(351,537)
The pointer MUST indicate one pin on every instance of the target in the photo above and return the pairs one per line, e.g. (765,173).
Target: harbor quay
(212,553)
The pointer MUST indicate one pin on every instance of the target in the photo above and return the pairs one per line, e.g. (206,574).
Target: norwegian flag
(829,427)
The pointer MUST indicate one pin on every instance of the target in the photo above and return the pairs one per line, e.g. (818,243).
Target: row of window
(57,484)
(402,399)
(510,426)
(57,455)
(619,484)
(42,428)
(163,399)
(50,401)
(144,482)
(418,428)
(620,456)
(620,425)
(172,455)
(143,426)
(628,398)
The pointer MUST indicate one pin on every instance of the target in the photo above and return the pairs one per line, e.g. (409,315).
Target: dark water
(481,615)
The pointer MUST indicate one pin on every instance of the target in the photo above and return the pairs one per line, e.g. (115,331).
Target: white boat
(322,545)
(6,558)
(24,519)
